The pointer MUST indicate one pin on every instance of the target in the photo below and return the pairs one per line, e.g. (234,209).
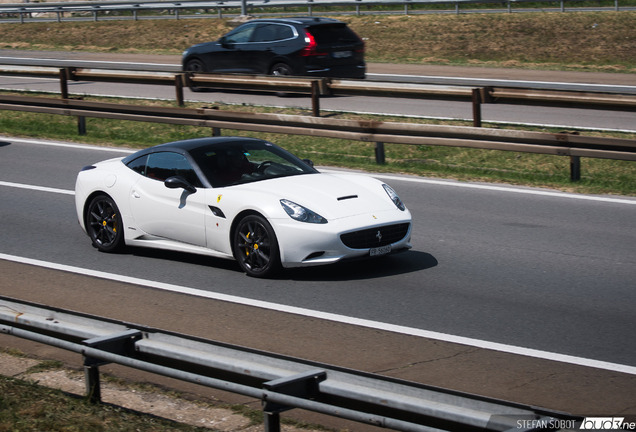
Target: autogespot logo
(607,423)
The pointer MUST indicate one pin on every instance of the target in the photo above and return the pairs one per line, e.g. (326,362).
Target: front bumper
(303,244)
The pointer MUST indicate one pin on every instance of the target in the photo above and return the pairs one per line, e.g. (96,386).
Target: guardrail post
(271,421)
(476,108)
(380,158)
(93,389)
(178,85)
(81,125)
(119,343)
(64,74)
(315,98)
(309,7)
(303,385)
(575,168)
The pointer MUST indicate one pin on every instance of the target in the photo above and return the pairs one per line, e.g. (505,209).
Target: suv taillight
(310,50)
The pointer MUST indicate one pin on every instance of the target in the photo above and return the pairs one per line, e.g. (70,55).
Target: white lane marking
(541,125)
(379,176)
(511,349)
(38,188)
(67,145)
(504,80)
(89,61)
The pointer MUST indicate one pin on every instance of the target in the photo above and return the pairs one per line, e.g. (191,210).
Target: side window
(241,35)
(265,33)
(162,165)
(272,32)
(285,32)
(139,165)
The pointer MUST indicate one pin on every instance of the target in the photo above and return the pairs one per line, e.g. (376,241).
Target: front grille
(369,238)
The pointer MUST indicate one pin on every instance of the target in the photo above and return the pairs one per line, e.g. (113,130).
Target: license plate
(380,250)
(342,54)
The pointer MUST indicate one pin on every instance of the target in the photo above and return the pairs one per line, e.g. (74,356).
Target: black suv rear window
(333,33)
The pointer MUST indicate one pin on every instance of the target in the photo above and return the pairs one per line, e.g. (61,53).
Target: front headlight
(300,213)
(394,197)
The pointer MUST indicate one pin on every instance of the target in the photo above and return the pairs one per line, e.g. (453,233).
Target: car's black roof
(188,145)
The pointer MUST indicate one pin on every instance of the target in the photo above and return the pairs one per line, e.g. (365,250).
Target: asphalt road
(506,114)
(512,266)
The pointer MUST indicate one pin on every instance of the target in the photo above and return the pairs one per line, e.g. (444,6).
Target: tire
(195,66)
(104,224)
(281,69)
(255,247)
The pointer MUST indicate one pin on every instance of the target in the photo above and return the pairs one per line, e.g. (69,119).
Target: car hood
(333,196)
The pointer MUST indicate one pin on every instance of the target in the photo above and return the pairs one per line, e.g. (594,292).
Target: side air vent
(217,212)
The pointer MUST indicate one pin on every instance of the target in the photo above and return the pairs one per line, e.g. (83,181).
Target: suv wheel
(195,66)
(280,69)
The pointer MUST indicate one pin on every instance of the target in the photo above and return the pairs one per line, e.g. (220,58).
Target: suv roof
(304,21)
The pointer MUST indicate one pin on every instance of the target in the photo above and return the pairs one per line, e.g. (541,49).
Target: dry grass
(600,41)
(529,39)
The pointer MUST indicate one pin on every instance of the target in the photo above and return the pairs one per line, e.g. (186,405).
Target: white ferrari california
(239,198)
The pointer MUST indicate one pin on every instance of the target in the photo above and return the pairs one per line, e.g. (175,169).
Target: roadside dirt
(157,403)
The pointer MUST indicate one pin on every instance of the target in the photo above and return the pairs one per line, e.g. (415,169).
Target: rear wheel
(281,69)
(255,247)
(195,66)
(104,224)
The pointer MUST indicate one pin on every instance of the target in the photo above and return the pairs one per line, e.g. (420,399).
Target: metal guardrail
(561,144)
(333,87)
(280,382)
(103,7)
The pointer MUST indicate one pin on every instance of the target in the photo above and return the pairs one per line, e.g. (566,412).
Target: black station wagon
(304,46)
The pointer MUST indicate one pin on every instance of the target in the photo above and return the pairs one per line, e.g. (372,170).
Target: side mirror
(179,182)
(309,162)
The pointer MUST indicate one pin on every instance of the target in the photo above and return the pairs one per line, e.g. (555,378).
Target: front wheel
(255,247)
(104,224)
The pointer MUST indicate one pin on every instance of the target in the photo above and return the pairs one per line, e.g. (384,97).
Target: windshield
(240,162)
